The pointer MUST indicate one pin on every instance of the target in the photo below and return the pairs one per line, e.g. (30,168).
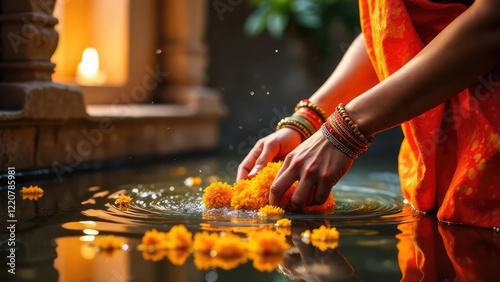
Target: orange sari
(449,161)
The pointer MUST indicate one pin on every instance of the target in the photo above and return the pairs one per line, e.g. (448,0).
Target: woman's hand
(268,149)
(318,165)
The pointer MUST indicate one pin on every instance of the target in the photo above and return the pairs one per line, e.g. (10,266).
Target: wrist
(361,118)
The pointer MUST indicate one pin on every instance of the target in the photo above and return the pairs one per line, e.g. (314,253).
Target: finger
(301,193)
(281,185)
(269,151)
(249,161)
(323,190)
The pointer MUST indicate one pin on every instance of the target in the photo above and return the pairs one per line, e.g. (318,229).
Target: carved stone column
(28,40)
(184,54)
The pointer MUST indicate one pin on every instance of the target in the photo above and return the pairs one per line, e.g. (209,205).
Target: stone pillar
(184,54)
(28,40)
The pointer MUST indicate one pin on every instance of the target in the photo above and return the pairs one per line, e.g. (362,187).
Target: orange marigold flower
(204,261)
(266,263)
(284,222)
(178,238)
(324,245)
(123,201)
(155,255)
(32,192)
(109,242)
(267,242)
(153,240)
(204,242)
(271,210)
(229,246)
(324,233)
(177,256)
(217,195)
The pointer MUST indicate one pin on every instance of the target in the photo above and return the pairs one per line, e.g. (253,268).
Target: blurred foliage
(308,18)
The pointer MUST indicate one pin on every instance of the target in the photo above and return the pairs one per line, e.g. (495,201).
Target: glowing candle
(88,72)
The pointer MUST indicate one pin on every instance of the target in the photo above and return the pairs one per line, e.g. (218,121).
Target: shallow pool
(381,238)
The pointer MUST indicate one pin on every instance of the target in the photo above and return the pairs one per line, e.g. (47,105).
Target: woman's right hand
(270,148)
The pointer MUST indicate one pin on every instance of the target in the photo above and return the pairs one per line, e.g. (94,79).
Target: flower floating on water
(323,237)
(267,242)
(271,211)
(284,222)
(123,202)
(253,194)
(218,195)
(32,192)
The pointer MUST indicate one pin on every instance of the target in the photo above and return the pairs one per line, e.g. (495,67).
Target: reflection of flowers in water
(217,195)
(267,242)
(204,242)
(177,256)
(284,222)
(32,192)
(266,262)
(269,210)
(204,261)
(123,202)
(153,254)
(323,237)
(179,238)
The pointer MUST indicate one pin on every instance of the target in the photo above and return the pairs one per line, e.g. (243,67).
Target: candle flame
(88,72)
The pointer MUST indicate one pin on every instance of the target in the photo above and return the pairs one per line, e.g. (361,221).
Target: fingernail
(254,171)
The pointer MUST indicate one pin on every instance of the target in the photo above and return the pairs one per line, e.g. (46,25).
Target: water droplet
(172,188)
(267,92)
(213,254)
(135,190)
(252,93)
(158,51)
(276,51)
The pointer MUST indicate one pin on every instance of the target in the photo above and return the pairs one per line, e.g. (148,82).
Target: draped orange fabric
(450,158)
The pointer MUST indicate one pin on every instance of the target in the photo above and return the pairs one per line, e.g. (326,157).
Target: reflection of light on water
(90,231)
(87,238)
(87,251)
(88,223)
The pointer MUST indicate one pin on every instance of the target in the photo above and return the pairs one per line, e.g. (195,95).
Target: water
(379,235)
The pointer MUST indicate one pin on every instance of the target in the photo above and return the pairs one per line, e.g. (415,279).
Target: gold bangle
(312,106)
(286,122)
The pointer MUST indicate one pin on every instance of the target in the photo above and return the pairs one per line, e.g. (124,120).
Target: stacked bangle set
(339,128)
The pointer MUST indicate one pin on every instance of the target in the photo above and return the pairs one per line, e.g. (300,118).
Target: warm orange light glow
(88,72)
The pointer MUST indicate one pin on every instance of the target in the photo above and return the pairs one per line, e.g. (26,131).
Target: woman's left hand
(318,166)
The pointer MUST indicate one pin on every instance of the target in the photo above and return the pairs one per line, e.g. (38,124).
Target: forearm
(353,76)
(468,48)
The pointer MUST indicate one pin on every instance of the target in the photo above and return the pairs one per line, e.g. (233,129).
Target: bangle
(310,105)
(297,126)
(310,115)
(344,134)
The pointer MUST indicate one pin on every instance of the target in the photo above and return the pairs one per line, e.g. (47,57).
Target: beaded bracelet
(344,134)
(289,123)
(310,105)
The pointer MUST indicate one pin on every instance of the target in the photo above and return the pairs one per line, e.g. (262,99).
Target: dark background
(279,73)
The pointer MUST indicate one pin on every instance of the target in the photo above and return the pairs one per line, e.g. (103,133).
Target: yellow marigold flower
(204,242)
(271,210)
(324,245)
(31,190)
(123,201)
(177,256)
(217,195)
(285,231)
(284,222)
(109,242)
(204,261)
(153,240)
(266,263)
(178,238)
(155,255)
(267,242)
(324,233)
(229,246)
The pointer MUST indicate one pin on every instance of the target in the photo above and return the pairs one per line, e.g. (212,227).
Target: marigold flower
(266,263)
(178,238)
(324,245)
(109,242)
(204,261)
(271,210)
(123,201)
(324,233)
(153,240)
(229,246)
(217,195)
(31,190)
(228,263)
(284,222)
(267,242)
(177,256)
(204,242)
